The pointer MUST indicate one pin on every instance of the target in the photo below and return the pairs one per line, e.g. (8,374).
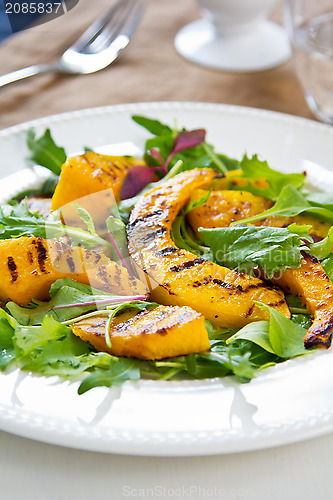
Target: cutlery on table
(99,46)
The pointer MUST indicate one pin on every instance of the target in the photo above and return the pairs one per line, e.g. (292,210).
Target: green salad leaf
(220,361)
(279,336)
(68,299)
(248,247)
(290,203)
(322,249)
(45,152)
(327,264)
(201,155)
(254,169)
(7,350)
(17,220)
(116,372)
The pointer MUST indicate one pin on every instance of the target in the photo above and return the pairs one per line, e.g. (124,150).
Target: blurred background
(150,70)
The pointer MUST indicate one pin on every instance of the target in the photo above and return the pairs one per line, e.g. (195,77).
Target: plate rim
(154,105)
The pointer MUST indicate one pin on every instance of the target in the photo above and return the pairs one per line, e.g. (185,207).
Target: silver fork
(100,45)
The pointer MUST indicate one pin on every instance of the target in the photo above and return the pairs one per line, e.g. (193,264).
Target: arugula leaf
(27,338)
(248,247)
(155,127)
(167,143)
(7,350)
(322,249)
(45,152)
(197,202)
(321,199)
(47,189)
(52,349)
(290,203)
(184,237)
(220,361)
(327,264)
(255,170)
(19,221)
(69,299)
(85,216)
(119,370)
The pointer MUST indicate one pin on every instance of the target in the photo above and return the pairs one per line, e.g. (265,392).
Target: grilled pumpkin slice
(82,176)
(29,265)
(309,282)
(224,297)
(226,206)
(223,207)
(162,332)
(312,285)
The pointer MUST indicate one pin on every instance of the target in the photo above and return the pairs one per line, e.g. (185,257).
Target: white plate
(284,404)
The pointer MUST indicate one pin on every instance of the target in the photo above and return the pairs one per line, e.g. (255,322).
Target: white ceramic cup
(235,15)
(234,35)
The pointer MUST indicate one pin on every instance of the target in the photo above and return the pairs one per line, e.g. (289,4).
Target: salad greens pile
(38,338)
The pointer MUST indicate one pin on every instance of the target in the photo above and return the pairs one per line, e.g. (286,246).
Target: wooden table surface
(151,69)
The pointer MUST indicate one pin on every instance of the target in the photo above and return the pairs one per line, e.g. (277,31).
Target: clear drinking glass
(310,27)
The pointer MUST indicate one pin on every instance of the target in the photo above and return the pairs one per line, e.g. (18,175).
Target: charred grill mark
(204,281)
(12,268)
(30,257)
(117,277)
(251,286)
(71,264)
(154,234)
(110,172)
(116,166)
(223,284)
(167,287)
(319,337)
(120,327)
(311,257)
(59,249)
(104,277)
(187,265)
(144,218)
(98,258)
(93,328)
(276,303)
(41,255)
(90,163)
(250,311)
(162,331)
(167,251)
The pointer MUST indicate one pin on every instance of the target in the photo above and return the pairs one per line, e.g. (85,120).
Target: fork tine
(134,19)
(96,28)
(115,26)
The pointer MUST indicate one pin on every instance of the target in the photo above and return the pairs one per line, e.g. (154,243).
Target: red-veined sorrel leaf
(185,140)
(138,177)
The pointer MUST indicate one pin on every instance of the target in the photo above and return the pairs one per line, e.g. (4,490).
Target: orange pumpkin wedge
(29,265)
(178,277)
(162,332)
